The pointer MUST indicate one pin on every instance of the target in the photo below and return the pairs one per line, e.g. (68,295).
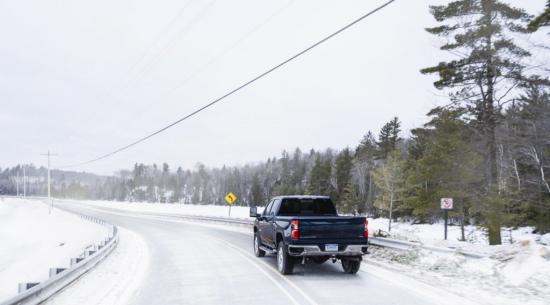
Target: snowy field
(32,241)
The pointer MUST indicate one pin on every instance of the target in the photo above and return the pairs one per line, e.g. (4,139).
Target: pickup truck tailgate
(339,227)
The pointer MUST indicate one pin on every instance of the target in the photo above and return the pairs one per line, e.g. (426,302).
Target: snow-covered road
(189,263)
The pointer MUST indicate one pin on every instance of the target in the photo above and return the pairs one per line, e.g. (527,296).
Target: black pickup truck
(300,228)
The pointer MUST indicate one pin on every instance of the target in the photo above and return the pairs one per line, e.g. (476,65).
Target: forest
(488,147)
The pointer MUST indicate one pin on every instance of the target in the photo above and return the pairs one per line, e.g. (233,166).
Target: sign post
(446,205)
(230,198)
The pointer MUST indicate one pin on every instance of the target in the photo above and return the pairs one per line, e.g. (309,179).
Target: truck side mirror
(254,212)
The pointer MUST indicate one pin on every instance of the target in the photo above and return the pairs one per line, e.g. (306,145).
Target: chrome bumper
(314,250)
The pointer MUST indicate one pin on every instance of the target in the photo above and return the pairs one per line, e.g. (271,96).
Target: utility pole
(49,155)
(24,183)
(17,185)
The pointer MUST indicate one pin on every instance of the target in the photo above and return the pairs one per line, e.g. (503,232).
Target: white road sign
(447,203)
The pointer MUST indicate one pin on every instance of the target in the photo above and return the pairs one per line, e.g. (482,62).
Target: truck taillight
(294,232)
(366,229)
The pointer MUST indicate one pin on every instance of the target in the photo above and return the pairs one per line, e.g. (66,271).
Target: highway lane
(204,264)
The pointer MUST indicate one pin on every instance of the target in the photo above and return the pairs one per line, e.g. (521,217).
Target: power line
(157,40)
(233,46)
(188,27)
(146,62)
(151,45)
(236,89)
(195,73)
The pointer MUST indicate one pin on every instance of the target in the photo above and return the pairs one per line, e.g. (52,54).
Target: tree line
(488,148)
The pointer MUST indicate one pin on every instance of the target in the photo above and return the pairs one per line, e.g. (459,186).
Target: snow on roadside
(116,280)
(512,274)
(516,272)
(32,241)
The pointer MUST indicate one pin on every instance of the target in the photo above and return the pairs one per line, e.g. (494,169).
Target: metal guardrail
(215,219)
(35,293)
(376,241)
(409,245)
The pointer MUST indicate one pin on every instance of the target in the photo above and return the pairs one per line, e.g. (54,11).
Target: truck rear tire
(285,264)
(257,243)
(351,266)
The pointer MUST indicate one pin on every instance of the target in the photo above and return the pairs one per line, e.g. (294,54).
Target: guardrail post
(25,286)
(56,271)
(76,260)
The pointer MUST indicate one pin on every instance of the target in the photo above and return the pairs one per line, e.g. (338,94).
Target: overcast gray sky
(82,78)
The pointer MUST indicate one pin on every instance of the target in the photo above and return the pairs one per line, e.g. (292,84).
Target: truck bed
(321,229)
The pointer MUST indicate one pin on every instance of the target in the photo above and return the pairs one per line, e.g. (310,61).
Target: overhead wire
(244,85)
(198,71)
(244,37)
(152,44)
(156,59)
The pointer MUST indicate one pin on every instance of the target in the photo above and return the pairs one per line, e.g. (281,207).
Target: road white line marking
(288,295)
(298,289)
(240,252)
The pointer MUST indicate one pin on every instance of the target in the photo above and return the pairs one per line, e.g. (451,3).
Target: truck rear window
(306,207)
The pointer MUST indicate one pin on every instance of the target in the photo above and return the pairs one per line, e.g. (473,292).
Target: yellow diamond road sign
(230,198)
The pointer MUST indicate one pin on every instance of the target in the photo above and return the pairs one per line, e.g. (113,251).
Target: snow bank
(524,263)
(32,241)
(511,274)
(518,271)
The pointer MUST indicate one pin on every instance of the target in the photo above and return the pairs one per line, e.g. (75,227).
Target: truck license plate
(331,248)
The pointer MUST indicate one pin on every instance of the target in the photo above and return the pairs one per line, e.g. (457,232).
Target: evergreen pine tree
(319,178)
(541,20)
(364,165)
(256,192)
(388,138)
(350,199)
(342,173)
(487,68)
(448,167)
